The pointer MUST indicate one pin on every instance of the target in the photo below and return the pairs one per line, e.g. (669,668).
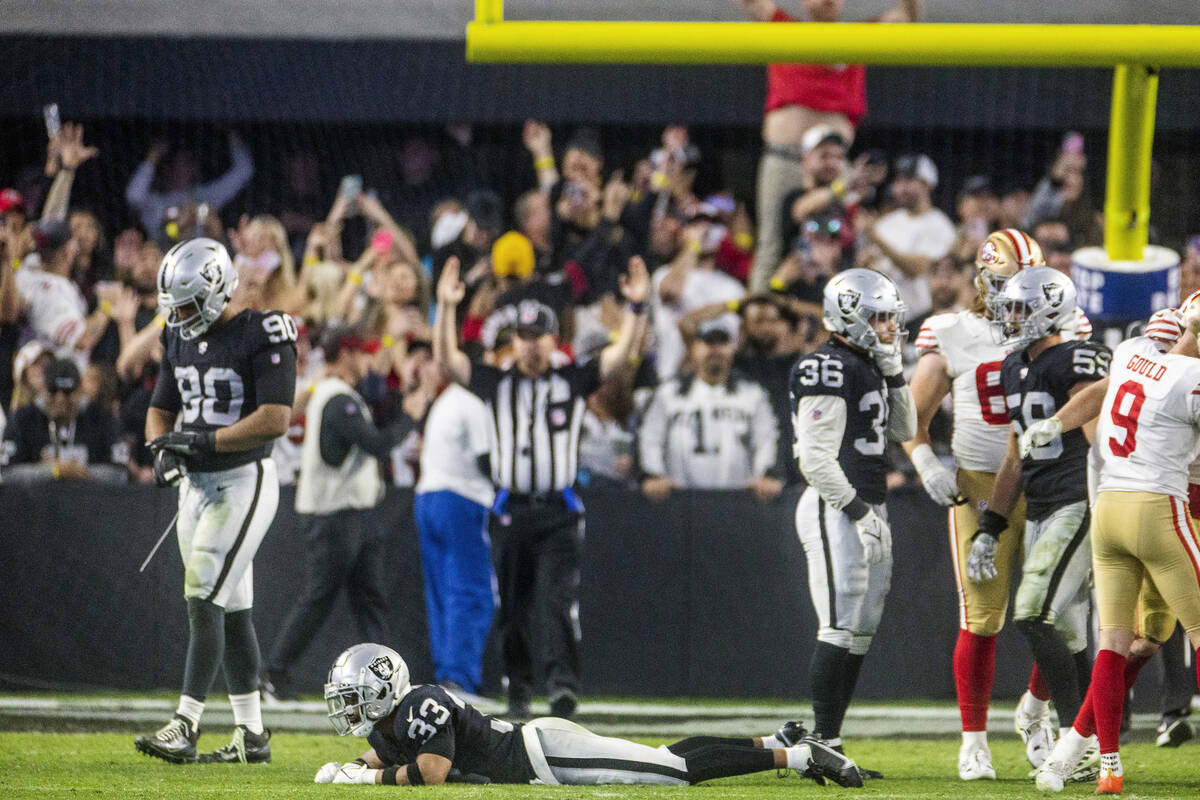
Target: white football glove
(354,773)
(326,772)
(875,536)
(939,482)
(1040,433)
(981,564)
(888,360)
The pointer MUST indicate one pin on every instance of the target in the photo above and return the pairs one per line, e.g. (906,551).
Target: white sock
(1063,731)
(247,710)
(773,742)
(975,738)
(798,757)
(1034,706)
(1111,762)
(190,709)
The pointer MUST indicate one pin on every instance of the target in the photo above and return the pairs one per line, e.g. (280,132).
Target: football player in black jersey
(224,394)
(1041,374)
(425,735)
(848,400)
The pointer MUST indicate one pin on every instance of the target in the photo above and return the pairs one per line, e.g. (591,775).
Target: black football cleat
(174,742)
(791,733)
(247,747)
(829,763)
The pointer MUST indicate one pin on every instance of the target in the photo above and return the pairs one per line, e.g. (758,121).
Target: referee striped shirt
(537,423)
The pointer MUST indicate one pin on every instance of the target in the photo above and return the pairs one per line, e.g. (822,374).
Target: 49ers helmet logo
(988,254)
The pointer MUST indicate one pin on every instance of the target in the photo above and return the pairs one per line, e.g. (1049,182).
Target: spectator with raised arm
(799,97)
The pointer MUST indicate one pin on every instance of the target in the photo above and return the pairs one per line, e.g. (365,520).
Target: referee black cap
(536,319)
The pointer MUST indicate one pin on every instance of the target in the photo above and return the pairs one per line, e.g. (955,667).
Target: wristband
(694,247)
(777,285)
(160,321)
(107,308)
(387,341)
(16,264)
(733,305)
(55,472)
(894,381)
(744,241)
(856,509)
(637,308)
(838,187)
(310,260)
(389,776)
(991,523)
(415,778)
(544,162)
(354,276)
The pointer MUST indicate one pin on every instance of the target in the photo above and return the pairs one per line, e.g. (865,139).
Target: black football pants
(342,549)
(536,549)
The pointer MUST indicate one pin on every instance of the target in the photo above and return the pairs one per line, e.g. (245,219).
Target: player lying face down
(424,735)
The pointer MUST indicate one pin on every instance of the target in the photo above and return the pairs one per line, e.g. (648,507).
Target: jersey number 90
(214,398)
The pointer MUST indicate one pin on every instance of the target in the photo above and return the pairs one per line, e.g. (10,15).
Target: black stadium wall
(702,595)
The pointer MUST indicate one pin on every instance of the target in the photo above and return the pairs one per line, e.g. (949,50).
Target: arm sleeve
(166,390)
(224,188)
(275,375)
(820,422)
(766,436)
(902,417)
(652,435)
(927,341)
(343,425)
(440,744)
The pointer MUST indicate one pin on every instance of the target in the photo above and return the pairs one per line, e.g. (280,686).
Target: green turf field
(79,765)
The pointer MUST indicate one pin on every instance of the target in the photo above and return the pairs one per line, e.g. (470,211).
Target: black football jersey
(1054,474)
(216,379)
(837,370)
(431,720)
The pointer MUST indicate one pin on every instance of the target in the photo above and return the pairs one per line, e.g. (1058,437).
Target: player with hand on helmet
(958,356)
(848,400)
(224,394)
(1039,377)
(425,735)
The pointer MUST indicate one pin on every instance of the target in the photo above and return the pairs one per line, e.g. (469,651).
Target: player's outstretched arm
(635,286)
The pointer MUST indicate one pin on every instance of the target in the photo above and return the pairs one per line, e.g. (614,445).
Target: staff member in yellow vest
(338,487)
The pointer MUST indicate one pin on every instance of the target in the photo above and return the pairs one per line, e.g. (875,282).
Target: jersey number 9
(1126,418)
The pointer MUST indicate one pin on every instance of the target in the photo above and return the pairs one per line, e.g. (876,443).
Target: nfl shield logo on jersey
(203,347)
(848,300)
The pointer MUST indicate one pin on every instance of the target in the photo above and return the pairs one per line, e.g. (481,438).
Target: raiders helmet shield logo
(848,300)
(210,273)
(382,667)
(1053,294)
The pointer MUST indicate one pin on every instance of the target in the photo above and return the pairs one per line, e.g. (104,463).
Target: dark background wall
(704,595)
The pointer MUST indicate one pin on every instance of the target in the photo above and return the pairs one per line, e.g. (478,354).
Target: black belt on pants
(536,500)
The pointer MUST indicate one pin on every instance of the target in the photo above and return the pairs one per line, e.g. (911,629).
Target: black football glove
(186,443)
(168,468)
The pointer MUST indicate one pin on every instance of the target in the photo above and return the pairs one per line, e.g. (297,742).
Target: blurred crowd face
(532,353)
(824,10)
(910,193)
(581,167)
(62,406)
(825,163)
(144,273)
(533,212)
(665,237)
(713,361)
(580,204)
(1013,208)
(1055,241)
(85,230)
(402,284)
(764,326)
(947,284)
(980,205)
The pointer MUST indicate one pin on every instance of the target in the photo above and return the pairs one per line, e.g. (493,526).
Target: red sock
(1085,723)
(1037,686)
(1108,696)
(974,667)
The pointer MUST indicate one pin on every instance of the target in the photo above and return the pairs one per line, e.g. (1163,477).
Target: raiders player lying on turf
(423,735)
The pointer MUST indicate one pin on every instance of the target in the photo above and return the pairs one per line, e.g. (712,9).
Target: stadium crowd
(79,298)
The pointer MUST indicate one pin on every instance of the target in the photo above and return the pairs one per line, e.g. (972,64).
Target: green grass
(78,765)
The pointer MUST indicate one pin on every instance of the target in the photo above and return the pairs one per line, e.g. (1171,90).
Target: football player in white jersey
(1144,542)
(959,356)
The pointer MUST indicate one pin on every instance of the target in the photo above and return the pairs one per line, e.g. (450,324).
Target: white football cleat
(1088,767)
(1035,730)
(975,763)
(1052,775)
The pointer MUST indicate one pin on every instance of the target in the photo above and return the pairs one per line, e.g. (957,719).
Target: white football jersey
(55,306)
(1150,422)
(973,359)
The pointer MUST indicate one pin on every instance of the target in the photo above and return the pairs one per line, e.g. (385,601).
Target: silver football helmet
(195,283)
(1034,303)
(856,301)
(364,685)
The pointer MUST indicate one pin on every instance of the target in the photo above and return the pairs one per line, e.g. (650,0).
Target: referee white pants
(562,752)
(223,517)
(847,592)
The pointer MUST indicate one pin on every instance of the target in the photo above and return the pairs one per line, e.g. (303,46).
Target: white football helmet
(195,283)
(364,685)
(854,302)
(1034,303)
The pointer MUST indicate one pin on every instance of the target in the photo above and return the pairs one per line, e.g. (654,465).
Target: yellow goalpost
(1136,52)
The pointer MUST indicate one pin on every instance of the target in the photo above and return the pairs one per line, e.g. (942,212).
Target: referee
(537,411)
